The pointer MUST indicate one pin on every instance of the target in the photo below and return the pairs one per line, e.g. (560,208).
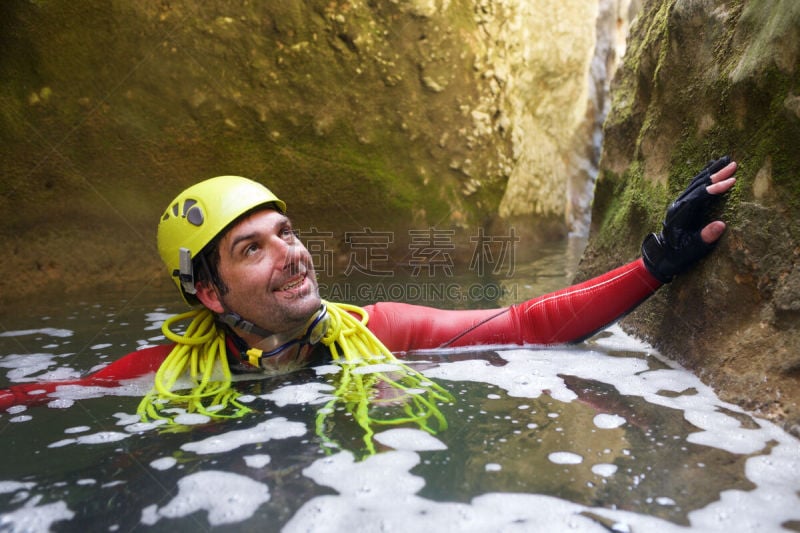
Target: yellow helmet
(200,213)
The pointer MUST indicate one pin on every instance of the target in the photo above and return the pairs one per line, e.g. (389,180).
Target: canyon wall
(381,115)
(703,78)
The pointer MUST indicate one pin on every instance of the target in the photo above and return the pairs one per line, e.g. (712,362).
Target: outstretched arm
(576,312)
(564,316)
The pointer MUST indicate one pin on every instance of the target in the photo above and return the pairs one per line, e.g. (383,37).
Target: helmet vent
(193,212)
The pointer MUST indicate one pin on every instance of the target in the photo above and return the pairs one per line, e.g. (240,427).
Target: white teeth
(292,285)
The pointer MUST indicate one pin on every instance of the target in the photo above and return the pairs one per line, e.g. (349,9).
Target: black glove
(679,244)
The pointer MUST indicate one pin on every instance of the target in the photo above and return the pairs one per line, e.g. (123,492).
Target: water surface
(603,435)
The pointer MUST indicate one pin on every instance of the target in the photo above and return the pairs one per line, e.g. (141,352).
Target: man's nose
(291,258)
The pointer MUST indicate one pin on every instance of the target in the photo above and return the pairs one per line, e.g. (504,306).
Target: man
(229,246)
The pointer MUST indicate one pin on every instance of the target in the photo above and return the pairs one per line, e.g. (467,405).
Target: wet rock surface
(703,79)
(379,115)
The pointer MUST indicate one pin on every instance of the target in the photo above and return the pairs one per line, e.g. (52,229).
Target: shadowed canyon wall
(703,78)
(381,115)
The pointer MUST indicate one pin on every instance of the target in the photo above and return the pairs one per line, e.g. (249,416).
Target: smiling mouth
(294,283)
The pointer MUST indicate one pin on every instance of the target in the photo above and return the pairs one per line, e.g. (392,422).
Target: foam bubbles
(275,428)
(313,393)
(34,517)
(164,463)
(410,439)
(102,437)
(604,469)
(51,332)
(565,458)
(606,421)
(226,497)
(257,461)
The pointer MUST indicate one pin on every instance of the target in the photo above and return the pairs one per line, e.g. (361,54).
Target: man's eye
(250,249)
(289,234)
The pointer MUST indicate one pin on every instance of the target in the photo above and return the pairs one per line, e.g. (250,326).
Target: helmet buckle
(186,272)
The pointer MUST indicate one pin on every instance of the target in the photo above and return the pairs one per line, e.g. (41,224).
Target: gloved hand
(680,244)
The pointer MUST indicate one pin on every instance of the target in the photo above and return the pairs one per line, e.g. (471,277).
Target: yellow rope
(201,351)
(354,347)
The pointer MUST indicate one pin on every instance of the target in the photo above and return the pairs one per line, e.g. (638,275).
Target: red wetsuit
(568,315)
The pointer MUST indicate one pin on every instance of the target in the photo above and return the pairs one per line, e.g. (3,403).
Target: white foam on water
(379,494)
(565,458)
(133,423)
(257,461)
(323,370)
(164,463)
(50,332)
(410,439)
(606,421)
(124,419)
(35,518)
(156,319)
(60,403)
(617,339)
(604,469)
(192,419)
(129,388)
(274,428)
(247,398)
(305,393)
(7,487)
(102,437)
(531,372)
(226,497)
(101,346)
(376,368)
(26,368)
(366,502)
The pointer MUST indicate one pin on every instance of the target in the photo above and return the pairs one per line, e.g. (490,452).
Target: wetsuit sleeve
(131,366)
(568,315)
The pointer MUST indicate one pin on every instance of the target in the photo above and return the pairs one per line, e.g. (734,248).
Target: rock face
(381,115)
(704,78)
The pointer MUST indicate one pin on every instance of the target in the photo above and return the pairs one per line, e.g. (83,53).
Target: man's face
(269,274)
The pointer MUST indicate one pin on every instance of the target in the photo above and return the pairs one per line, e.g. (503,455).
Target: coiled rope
(370,375)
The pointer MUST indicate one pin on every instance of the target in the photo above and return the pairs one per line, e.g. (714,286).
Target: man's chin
(307,302)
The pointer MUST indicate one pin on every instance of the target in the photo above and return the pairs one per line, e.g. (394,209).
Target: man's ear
(209,296)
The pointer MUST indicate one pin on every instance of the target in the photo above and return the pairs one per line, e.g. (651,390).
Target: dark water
(600,436)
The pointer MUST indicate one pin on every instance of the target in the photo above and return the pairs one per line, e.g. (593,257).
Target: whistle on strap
(254,356)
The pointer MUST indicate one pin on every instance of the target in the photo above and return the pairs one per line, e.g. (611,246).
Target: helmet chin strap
(235,321)
(273,343)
